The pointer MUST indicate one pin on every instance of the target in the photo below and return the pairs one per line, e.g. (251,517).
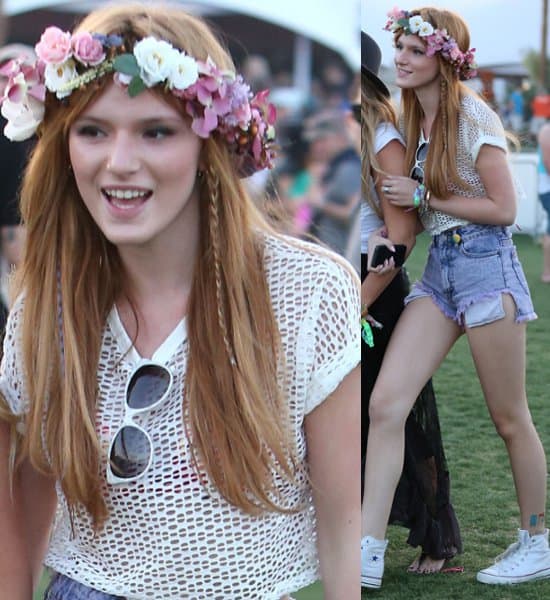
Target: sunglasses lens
(417,174)
(130,453)
(148,385)
(422,153)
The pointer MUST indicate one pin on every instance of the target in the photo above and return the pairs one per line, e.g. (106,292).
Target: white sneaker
(526,560)
(372,562)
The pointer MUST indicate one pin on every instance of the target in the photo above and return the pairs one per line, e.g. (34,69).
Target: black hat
(371,57)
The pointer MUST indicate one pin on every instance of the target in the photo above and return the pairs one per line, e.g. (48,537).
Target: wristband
(366,333)
(419,195)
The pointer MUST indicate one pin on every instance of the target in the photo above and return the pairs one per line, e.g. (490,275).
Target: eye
(398,46)
(418,52)
(158,133)
(89,131)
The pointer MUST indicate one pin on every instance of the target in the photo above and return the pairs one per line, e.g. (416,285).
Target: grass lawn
(482,486)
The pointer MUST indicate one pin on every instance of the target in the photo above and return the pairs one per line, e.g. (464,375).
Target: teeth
(126,194)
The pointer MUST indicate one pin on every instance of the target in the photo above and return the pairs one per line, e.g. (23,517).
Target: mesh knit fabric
(168,535)
(477,125)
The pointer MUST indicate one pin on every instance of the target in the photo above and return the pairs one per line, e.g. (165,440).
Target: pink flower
(396,13)
(54,46)
(86,49)
(455,53)
(205,124)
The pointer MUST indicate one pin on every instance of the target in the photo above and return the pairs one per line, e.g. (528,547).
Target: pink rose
(54,46)
(86,49)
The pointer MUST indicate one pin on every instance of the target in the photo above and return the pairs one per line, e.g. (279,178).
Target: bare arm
(15,570)
(401,225)
(38,516)
(498,207)
(333,431)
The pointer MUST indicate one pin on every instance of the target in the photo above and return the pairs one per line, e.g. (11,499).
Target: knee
(384,409)
(510,426)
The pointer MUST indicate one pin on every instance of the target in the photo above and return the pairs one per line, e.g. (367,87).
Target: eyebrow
(412,45)
(143,122)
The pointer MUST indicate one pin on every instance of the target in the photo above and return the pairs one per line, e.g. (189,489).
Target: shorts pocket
(483,246)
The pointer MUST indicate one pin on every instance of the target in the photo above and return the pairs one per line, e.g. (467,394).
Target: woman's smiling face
(135,163)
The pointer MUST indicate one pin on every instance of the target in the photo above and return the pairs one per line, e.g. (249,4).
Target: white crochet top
(168,537)
(477,125)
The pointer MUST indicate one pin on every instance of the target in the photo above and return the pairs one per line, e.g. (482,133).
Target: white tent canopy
(333,24)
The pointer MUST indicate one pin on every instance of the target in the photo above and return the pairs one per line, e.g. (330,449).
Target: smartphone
(381,253)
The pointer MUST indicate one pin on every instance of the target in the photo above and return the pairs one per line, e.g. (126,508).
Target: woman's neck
(429,97)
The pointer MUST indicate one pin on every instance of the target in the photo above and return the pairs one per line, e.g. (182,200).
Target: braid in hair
(444,114)
(213,183)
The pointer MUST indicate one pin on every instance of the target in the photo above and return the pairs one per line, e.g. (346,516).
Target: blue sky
(501,30)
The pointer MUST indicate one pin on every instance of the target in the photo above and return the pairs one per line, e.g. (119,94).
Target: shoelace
(514,554)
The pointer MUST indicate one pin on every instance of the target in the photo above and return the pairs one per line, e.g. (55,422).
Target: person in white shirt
(180,380)
(460,182)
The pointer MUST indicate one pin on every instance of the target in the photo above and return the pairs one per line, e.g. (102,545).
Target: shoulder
(384,134)
(297,264)
(477,114)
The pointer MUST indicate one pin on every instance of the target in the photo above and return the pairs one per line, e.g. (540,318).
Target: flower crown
(216,100)
(437,40)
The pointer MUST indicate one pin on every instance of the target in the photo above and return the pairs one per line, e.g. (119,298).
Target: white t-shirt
(370,221)
(478,124)
(167,536)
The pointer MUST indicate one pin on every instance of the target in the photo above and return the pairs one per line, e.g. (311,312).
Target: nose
(122,158)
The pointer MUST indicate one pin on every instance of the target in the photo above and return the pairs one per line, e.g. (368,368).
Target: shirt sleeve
(333,327)
(484,127)
(11,366)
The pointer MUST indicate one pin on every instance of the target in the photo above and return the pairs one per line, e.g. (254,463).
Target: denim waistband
(468,232)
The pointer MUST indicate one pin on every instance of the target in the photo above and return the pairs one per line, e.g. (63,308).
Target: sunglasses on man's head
(356,111)
(131,449)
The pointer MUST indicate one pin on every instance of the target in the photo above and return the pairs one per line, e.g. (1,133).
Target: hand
(378,240)
(399,190)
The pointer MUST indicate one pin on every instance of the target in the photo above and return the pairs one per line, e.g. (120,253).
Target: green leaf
(127,64)
(136,86)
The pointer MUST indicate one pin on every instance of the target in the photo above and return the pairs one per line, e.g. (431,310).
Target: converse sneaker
(372,561)
(526,560)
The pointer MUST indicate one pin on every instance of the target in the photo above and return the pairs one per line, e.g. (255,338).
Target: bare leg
(498,350)
(422,338)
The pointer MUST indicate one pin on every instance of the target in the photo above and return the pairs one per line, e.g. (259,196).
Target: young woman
(422,502)
(183,381)
(473,282)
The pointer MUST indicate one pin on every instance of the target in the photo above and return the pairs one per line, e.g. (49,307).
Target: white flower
(184,72)
(425,29)
(22,118)
(155,60)
(415,23)
(56,76)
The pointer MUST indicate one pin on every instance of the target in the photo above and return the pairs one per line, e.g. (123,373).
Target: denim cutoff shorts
(545,201)
(63,588)
(468,270)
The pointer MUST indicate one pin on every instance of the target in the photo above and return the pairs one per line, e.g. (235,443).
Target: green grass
(482,488)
